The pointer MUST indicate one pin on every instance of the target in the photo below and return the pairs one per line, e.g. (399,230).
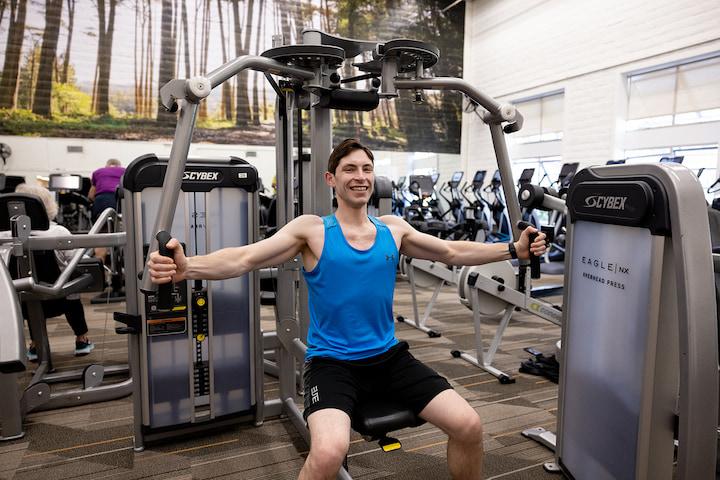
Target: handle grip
(534,259)
(165,291)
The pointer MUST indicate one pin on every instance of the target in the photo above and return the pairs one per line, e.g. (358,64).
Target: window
(701,159)
(543,119)
(679,95)
(547,169)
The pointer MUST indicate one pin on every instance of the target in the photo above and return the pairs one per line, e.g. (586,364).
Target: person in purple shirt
(102,193)
(104,182)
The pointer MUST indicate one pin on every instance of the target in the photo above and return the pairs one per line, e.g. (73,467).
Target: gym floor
(95,441)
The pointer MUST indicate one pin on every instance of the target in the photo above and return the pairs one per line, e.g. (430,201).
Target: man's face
(353,180)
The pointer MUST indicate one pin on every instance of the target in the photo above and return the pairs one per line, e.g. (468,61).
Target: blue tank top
(350,296)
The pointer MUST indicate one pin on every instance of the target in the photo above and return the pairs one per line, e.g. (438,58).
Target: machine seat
(373,420)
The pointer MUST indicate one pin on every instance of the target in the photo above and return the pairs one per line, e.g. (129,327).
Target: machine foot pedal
(388,444)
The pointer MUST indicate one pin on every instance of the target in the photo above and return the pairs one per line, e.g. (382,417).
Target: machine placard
(604,351)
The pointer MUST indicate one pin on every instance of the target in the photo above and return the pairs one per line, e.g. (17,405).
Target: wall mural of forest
(93,68)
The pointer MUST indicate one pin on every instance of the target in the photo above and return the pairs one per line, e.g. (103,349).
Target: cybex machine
(194,355)
(639,365)
(311,81)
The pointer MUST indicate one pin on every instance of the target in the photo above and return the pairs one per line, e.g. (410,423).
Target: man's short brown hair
(344,149)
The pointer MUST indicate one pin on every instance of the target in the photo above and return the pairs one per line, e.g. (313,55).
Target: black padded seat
(12,204)
(376,418)
(47,269)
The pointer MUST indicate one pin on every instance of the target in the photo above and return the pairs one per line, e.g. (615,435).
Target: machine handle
(165,291)
(534,259)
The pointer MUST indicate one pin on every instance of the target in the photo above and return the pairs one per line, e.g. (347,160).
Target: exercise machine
(36,277)
(74,206)
(311,82)
(194,354)
(639,374)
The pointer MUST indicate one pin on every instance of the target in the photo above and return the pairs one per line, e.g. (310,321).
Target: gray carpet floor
(95,442)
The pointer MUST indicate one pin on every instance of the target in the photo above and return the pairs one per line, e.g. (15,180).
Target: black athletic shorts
(395,375)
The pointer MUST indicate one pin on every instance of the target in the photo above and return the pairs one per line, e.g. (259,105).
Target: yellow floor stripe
(67,449)
(426,446)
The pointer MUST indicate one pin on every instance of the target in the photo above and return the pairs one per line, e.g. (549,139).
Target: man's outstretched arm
(233,261)
(456,252)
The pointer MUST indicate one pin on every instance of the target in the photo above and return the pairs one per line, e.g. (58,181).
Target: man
(349,264)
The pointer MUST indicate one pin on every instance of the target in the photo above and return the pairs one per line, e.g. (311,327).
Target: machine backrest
(12,204)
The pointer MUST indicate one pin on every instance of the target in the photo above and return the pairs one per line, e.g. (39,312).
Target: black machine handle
(534,259)
(165,291)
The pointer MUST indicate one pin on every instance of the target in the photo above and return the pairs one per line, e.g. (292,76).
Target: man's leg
(452,414)
(329,443)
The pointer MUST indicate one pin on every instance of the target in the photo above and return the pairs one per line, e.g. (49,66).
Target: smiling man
(349,261)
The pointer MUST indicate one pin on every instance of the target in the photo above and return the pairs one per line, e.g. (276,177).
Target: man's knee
(469,431)
(327,456)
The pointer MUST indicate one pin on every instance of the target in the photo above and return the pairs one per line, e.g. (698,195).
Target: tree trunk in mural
(43,87)
(66,57)
(149,80)
(256,78)
(106,23)
(186,39)
(13,49)
(168,42)
(226,104)
(203,110)
(243,115)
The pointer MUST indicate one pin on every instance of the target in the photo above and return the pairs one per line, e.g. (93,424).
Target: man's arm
(415,244)
(234,261)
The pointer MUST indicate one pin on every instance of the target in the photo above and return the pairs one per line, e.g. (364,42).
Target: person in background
(105,181)
(71,307)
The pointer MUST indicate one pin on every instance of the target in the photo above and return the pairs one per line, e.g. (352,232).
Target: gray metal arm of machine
(535,196)
(496,114)
(71,242)
(194,89)
(12,342)
(63,282)
(351,46)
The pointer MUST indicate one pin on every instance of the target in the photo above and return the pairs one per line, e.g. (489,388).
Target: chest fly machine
(310,80)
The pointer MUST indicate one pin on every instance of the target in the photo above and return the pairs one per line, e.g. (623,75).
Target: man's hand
(524,247)
(165,269)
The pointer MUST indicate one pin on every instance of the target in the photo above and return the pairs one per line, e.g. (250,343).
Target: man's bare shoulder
(305,225)
(394,221)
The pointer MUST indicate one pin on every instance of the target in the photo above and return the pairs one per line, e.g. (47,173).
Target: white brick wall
(518,48)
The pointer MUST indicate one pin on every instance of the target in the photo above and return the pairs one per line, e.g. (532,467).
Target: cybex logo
(201,176)
(603,201)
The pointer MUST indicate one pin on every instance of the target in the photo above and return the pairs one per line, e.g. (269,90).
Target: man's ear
(330,179)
